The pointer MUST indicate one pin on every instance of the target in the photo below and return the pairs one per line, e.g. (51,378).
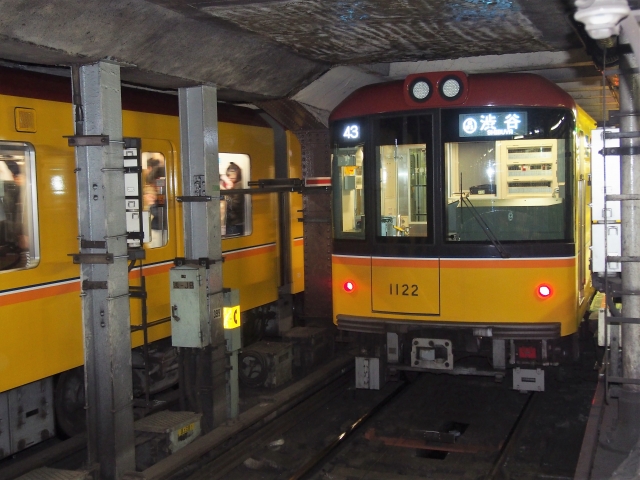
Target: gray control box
(190,325)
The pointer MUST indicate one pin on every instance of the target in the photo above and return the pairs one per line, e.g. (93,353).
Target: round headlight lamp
(420,90)
(450,87)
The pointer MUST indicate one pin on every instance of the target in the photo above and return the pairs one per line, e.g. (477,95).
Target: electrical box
(311,347)
(599,254)
(26,416)
(528,380)
(370,373)
(163,433)
(137,221)
(190,324)
(266,364)
(601,167)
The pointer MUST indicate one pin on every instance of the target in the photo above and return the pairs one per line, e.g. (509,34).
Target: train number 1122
(403,289)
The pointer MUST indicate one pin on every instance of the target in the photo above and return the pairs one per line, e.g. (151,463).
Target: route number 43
(352,132)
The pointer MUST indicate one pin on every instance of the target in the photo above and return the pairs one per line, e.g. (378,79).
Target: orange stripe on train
(152,270)
(361,261)
(456,263)
(405,262)
(508,263)
(39,293)
(249,252)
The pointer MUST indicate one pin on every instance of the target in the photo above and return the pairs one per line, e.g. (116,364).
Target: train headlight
(349,286)
(420,89)
(450,87)
(544,291)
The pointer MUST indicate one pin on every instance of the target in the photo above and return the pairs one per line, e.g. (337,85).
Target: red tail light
(349,286)
(544,291)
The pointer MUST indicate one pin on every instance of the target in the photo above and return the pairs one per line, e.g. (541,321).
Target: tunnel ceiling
(314,52)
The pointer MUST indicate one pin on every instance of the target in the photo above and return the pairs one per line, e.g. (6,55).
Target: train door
(408,283)
(581,214)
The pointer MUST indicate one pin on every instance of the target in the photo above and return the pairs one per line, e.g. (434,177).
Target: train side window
(155,197)
(235,209)
(19,238)
(402,159)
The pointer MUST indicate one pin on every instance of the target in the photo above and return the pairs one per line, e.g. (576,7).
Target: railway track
(436,427)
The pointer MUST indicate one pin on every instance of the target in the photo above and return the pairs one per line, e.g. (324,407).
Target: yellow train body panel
(495,291)
(40,308)
(42,326)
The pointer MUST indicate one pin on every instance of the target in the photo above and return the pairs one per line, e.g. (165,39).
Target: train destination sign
(493,124)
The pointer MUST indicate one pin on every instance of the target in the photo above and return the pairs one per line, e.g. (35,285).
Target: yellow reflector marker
(231,317)
(25,120)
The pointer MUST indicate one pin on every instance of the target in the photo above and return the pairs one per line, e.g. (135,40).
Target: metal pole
(105,295)
(629,401)
(202,240)
(630,210)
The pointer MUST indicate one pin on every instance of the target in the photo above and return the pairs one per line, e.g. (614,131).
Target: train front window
(402,158)
(514,187)
(19,240)
(348,162)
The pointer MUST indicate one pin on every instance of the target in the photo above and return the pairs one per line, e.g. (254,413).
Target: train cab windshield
(403,150)
(507,174)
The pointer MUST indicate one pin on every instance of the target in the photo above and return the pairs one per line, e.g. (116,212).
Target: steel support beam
(630,211)
(285,298)
(200,177)
(627,430)
(105,312)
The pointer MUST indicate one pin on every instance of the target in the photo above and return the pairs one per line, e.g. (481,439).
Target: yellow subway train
(40,307)
(461,226)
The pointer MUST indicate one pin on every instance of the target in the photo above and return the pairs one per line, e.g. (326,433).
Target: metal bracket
(92,285)
(93,244)
(617,151)
(199,198)
(608,135)
(625,259)
(622,197)
(87,140)
(91,258)
(201,262)
(314,220)
(137,253)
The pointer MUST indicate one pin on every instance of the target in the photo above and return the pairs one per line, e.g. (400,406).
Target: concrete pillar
(202,240)
(104,274)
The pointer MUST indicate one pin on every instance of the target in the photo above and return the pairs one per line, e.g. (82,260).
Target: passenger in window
(14,250)
(225,184)
(235,203)
(154,202)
